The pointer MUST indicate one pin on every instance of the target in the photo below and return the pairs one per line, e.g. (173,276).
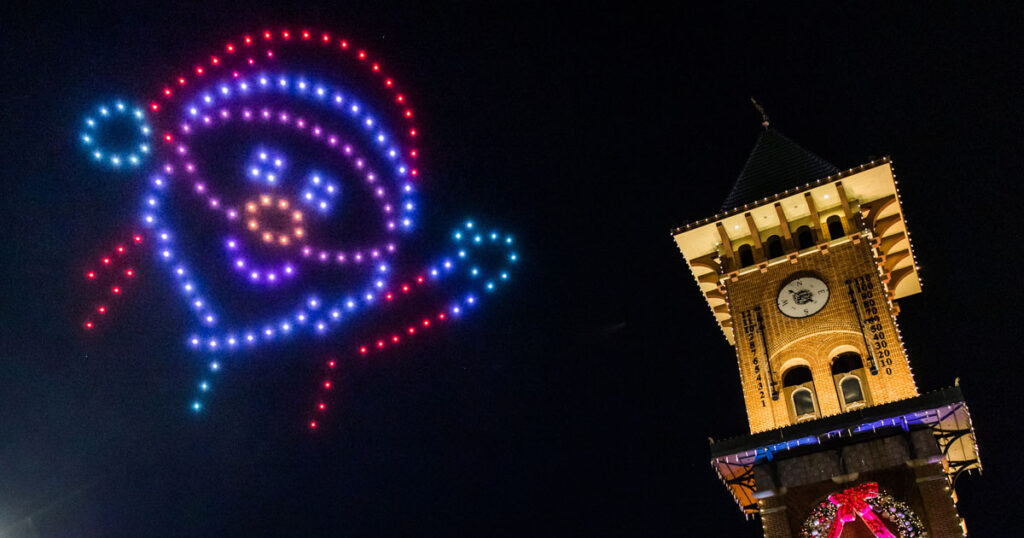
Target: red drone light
(115,288)
(123,263)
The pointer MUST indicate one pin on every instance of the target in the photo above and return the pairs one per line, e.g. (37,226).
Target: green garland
(908,525)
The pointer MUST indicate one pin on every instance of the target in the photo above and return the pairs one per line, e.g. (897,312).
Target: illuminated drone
(254,161)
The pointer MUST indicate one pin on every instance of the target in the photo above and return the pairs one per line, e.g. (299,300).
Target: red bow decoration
(852,503)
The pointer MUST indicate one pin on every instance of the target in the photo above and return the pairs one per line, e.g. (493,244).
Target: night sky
(581,399)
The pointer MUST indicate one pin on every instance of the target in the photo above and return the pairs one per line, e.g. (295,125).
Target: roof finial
(764,115)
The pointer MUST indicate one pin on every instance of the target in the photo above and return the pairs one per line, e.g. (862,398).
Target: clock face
(803,297)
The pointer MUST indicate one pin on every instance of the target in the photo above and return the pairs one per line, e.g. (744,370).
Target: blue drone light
(117,158)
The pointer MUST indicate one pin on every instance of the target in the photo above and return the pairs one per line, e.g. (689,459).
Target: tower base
(889,468)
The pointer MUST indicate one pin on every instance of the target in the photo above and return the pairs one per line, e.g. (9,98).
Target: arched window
(853,394)
(803,403)
(835,227)
(798,387)
(848,375)
(746,256)
(774,246)
(845,363)
(797,375)
(804,237)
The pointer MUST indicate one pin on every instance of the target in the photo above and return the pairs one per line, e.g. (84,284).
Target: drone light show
(281,177)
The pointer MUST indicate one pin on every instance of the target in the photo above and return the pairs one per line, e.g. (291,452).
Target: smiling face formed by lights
(278,201)
(275,213)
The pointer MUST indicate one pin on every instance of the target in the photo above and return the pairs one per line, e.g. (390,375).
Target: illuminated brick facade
(834,329)
(802,270)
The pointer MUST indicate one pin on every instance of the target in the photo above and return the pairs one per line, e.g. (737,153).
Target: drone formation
(253,170)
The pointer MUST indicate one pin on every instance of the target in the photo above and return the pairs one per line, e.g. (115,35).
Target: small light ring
(122,158)
(293,232)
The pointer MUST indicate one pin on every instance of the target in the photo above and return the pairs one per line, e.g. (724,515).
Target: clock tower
(803,269)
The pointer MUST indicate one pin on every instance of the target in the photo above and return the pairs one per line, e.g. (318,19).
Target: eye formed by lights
(319,193)
(265,166)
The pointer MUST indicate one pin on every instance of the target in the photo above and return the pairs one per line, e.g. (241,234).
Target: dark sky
(579,402)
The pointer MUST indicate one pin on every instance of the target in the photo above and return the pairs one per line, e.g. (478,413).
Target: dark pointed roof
(775,165)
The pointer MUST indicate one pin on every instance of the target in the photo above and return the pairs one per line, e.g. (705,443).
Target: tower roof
(775,165)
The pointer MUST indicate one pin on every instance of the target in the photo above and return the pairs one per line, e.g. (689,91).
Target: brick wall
(815,340)
(774,518)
